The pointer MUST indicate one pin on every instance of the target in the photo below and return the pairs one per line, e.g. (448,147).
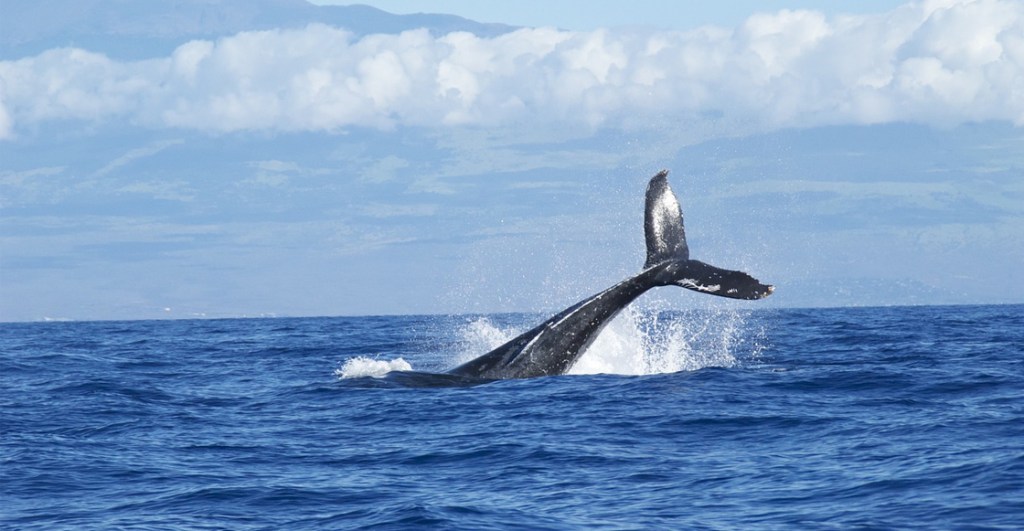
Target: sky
(861,154)
(664,14)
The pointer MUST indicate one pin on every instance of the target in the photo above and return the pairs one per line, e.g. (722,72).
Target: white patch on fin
(692,284)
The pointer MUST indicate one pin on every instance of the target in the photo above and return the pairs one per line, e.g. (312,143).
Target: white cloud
(168,191)
(939,62)
(384,169)
(138,153)
(29,186)
(6,124)
(387,210)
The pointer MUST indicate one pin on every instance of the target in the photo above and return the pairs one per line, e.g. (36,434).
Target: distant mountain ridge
(130,29)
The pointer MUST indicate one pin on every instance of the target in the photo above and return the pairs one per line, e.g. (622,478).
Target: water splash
(642,341)
(481,336)
(362,367)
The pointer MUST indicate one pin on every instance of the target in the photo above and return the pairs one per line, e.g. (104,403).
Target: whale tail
(668,253)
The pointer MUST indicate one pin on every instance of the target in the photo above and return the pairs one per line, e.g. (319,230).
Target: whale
(554,346)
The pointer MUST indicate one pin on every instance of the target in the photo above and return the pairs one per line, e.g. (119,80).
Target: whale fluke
(553,346)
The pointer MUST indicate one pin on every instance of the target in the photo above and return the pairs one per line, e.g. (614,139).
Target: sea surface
(873,418)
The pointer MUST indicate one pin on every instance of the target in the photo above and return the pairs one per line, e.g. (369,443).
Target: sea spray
(362,366)
(619,349)
(639,341)
(645,341)
(480,336)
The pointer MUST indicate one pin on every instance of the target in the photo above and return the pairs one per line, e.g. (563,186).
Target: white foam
(362,367)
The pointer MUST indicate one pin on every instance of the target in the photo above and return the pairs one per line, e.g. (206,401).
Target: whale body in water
(555,345)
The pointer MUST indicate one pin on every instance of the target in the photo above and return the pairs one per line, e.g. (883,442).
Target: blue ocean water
(907,417)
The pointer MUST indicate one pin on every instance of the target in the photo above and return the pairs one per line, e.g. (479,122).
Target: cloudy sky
(659,14)
(867,156)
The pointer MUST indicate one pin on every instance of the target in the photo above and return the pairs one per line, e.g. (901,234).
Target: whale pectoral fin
(712,280)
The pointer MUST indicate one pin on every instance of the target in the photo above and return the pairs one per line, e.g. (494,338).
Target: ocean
(845,418)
